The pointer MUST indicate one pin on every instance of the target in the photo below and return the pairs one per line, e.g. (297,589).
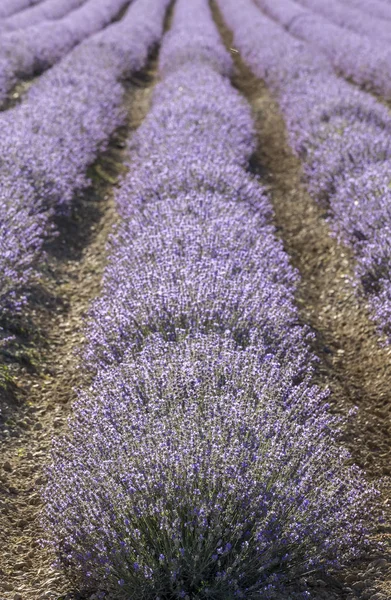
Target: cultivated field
(195,299)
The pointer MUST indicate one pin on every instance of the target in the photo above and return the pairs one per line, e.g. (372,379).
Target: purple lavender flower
(30,51)
(50,139)
(14,6)
(201,438)
(341,133)
(46,10)
(364,60)
(203,415)
(377,8)
(351,18)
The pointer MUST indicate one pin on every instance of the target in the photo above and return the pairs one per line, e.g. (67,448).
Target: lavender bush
(202,471)
(377,8)
(361,59)
(46,10)
(50,139)
(202,461)
(14,6)
(351,18)
(342,135)
(31,51)
(209,273)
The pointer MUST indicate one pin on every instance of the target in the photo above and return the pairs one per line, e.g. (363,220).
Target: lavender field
(195,299)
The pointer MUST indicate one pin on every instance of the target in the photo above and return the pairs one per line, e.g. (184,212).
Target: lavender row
(342,136)
(202,461)
(365,61)
(50,139)
(46,10)
(351,18)
(28,52)
(14,6)
(377,8)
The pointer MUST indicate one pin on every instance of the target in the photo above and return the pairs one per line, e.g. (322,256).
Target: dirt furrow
(39,408)
(353,364)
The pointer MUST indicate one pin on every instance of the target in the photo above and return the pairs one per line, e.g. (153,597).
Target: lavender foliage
(342,135)
(14,6)
(377,8)
(50,139)
(351,18)
(46,10)
(205,471)
(31,51)
(361,59)
(202,462)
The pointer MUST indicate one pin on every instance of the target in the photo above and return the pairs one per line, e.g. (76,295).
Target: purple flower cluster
(342,135)
(351,18)
(46,10)
(50,139)
(13,6)
(364,60)
(202,470)
(201,462)
(30,51)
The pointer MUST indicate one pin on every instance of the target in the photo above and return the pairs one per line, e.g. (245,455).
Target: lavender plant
(341,134)
(202,471)
(210,272)
(203,462)
(50,139)
(46,10)
(351,19)
(30,51)
(377,8)
(21,250)
(361,59)
(14,6)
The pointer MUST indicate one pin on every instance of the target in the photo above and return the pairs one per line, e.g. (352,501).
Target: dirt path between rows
(352,363)
(43,399)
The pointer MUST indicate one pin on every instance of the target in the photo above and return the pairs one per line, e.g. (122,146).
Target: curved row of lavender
(202,462)
(361,59)
(342,135)
(30,51)
(377,8)
(46,10)
(50,139)
(14,6)
(351,18)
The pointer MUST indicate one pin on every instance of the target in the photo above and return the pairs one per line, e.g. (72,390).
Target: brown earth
(353,363)
(37,408)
